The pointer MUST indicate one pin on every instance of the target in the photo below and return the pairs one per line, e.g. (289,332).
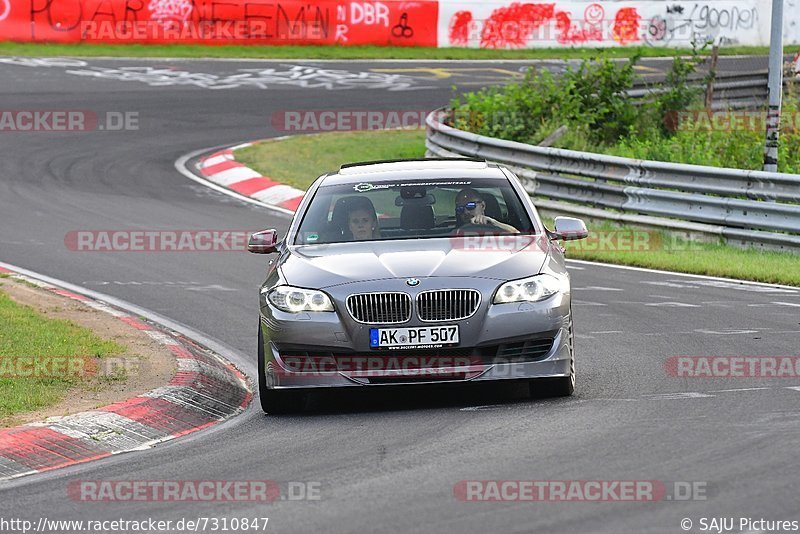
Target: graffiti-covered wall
(445,23)
(223,21)
(553,24)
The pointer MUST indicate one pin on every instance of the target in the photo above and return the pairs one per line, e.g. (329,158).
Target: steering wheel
(478,229)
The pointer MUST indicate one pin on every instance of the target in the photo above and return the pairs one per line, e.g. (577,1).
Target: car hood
(494,257)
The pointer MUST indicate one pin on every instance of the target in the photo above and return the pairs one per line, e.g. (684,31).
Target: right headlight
(532,289)
(295,300)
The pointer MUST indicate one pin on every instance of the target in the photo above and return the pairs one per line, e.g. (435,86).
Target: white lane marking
(299,76)
(684,275)
(608,332)
(742,287)
(107,309)
(737,389)
(573,268)
(220,352)
(212,287)
(161,337)
(587,303)
(739,286)
(597,288)
(118,432)
(210,162)
(277,194)
(670,304)
(679,395)
(725,332)
(33,281)
(234,175)
(772,304)
(181,167)
(154,283)
(659,396)
(243,145)
(665,284)
(479,408)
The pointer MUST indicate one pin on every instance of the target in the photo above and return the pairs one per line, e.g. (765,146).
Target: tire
(275,401)
(557,387)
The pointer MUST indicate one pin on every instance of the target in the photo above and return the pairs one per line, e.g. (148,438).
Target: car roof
(408,169)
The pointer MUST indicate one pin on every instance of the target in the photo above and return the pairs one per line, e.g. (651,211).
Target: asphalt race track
(387,461)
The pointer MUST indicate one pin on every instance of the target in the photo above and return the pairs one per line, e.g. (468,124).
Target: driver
(363,224)
(470,208)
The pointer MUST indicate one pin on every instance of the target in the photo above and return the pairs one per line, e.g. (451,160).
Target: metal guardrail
(748,207)
(732,90)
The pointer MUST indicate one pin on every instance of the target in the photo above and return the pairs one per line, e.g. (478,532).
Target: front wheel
(275,401)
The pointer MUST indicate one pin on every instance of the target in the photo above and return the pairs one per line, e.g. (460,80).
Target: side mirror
(569,229)
(263,242)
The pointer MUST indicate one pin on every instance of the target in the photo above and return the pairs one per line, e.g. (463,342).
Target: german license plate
(415,337)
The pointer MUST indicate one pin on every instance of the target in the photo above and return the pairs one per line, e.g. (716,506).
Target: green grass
(9,48)
(26,333)
(705,258)
(300,159)
(670,252)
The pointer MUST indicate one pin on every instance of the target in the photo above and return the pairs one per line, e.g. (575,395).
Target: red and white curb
(222,169)
(205,390)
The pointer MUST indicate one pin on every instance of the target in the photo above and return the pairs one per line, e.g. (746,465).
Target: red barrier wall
(221,21)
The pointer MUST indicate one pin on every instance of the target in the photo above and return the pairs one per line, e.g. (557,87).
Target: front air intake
(379,308)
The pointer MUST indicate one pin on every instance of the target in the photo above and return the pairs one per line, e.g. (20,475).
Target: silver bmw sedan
(415,271)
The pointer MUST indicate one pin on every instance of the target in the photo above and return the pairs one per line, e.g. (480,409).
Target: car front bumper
(307,350)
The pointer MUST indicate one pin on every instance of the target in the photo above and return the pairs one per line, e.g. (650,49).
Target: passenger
(362,220)
(470,209)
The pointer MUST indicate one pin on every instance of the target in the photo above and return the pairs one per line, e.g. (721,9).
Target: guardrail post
(775,88)
(712,73)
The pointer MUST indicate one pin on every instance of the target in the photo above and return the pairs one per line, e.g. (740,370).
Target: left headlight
(295,299)
(532,289)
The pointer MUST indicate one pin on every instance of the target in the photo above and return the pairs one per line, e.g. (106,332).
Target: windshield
(412,210)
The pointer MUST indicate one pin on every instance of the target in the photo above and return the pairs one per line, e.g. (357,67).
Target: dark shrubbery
(592,102)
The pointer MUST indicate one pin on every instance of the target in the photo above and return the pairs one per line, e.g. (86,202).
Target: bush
(591,98)
(741,149)
(592,102)
(675,94)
